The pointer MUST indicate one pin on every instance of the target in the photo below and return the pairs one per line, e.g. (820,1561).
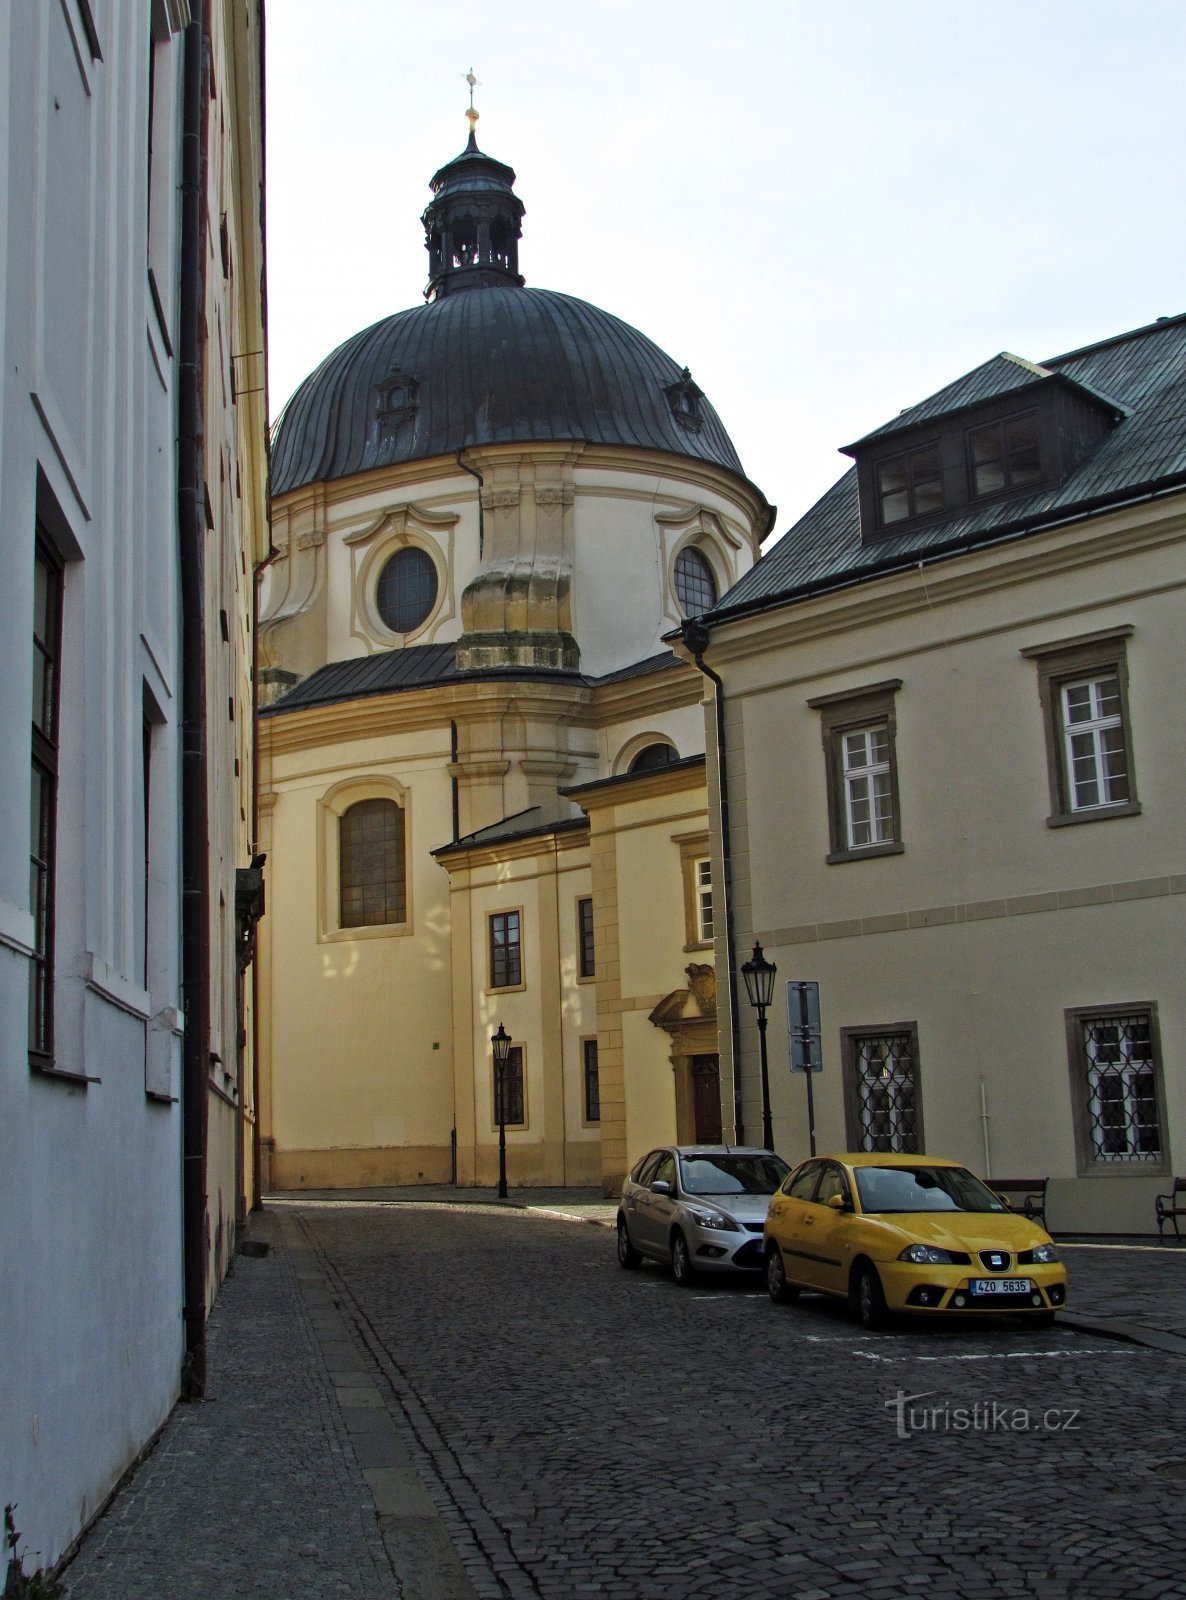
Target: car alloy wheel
(870,1298)
(628,1256)
(776,1277)
(682,1269)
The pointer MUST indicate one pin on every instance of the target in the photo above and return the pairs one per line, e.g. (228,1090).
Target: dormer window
(909,486)
(395,403)
(1004,455)
(684,398)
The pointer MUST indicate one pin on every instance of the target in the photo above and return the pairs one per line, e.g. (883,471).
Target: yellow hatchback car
(893,1233)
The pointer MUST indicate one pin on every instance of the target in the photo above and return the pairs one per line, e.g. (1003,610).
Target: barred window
(1116,1079)
(586,952)
(510,1084)
(592,1083)
(506,953)
(881,1088)
(372,877)
(47,615)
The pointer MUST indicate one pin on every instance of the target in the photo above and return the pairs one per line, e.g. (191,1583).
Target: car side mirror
(661,1186)
(837,1202)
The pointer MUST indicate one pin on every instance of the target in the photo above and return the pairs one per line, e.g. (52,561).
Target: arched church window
(653,756)
(372,876)
(407,589)
(695,586)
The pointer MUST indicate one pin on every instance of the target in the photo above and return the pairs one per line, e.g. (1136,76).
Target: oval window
(407,589)
(695,586)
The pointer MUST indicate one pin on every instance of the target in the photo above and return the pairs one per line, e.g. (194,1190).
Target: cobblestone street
(529,1420)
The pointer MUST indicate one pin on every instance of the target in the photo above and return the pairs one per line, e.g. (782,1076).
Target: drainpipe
(696,638)
(474,473)
(191,520)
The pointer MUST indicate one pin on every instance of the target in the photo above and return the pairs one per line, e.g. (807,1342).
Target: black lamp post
(502,1049)
(759,975)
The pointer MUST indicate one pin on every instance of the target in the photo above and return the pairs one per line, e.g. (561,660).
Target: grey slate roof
(422,666)
(1143,373)
(493,366)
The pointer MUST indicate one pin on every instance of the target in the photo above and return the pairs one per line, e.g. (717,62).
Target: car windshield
(923,1188)
(732,1174)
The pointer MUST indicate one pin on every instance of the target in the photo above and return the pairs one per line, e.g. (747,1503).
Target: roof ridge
(1156,326)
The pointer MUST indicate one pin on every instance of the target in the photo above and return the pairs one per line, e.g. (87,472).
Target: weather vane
(472,115)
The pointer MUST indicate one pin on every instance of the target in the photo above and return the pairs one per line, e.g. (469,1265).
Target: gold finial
(471,114)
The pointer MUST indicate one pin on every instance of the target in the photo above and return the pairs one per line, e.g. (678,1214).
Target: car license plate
(987,1286)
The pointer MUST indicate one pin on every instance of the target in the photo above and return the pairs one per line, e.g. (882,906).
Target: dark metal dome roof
(502,365)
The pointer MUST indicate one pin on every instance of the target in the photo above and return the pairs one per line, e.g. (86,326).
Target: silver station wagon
(699,1207)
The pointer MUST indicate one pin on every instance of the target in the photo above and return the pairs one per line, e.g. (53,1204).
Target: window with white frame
(868,795)
(1096,751)
(858,730)
(1082,684)
(703,873)
(1116,1080)
(696,866)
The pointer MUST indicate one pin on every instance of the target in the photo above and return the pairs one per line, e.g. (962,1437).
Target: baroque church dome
(487,361)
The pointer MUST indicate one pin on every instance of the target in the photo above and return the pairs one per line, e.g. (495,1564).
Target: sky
(827,209)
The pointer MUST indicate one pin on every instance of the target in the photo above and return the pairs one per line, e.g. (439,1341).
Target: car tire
(777,1287)
(682,1269)
(628,1256)
(869,1298)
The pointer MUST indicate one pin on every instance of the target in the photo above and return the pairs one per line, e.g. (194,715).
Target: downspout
(191,520)
(696,638)
(474,473)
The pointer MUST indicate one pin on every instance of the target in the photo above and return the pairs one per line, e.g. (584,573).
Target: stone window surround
(1059,663)
(841,713)
(330,808)
(399,528)
(1088,1163)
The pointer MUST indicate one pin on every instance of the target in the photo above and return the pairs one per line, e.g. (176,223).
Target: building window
(654,756)
(506,954)
(909,486)
(1004,455)
(1116,1083)
(881,1088)
(511,1081)
(1083,687)
(695,585)
(703,872)
(592,1084)
(407,589)
(47,656)
(586,949)
(696,865)
(860,765)
(372,877)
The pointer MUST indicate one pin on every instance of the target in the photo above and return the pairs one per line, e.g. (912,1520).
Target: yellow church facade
(482,790)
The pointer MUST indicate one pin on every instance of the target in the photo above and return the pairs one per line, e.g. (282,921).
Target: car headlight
(931,1255)
(717,1220)
(1040,1255)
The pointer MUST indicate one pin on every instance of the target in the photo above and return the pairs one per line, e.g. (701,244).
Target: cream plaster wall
(990,923)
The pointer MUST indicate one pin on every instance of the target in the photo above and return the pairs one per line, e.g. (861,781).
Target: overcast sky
(827,209)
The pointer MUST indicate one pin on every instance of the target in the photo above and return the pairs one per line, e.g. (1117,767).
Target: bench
(1033,1195)
(1170,1207)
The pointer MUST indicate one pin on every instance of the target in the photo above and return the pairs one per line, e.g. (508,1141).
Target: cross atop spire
(472,115)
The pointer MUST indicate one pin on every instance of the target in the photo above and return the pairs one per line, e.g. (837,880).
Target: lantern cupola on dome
(473,222)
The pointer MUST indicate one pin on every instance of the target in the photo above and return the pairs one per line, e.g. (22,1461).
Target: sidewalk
(292,1479)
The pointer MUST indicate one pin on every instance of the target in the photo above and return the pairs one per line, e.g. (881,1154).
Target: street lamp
(759,975)
(502,1049)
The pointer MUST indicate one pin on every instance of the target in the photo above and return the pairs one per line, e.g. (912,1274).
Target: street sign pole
(803,1027)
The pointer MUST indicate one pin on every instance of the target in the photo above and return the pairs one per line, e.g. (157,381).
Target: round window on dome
(695,586)
(407,590)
